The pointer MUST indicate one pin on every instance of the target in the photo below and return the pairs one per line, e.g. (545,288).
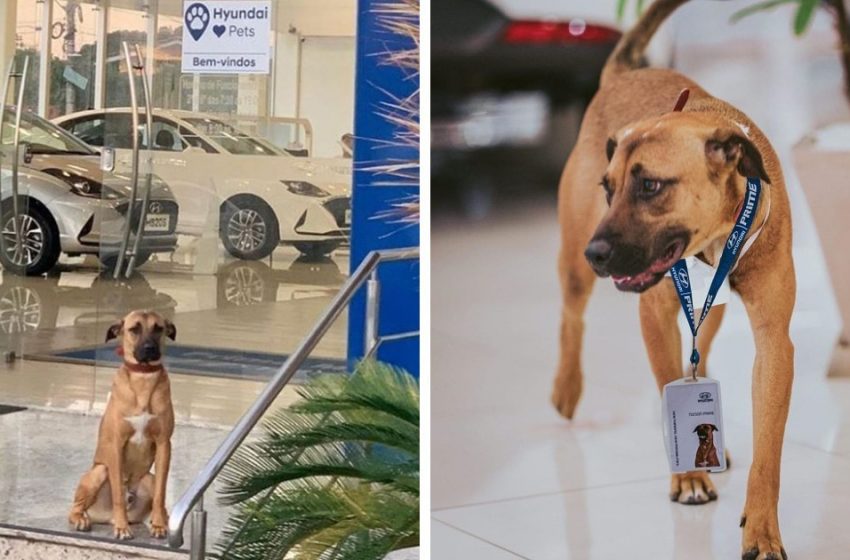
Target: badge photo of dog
(706,452)
(646,186)
(134,435)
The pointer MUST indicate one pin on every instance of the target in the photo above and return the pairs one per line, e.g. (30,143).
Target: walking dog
(706,452)
(646,186)
(135,434)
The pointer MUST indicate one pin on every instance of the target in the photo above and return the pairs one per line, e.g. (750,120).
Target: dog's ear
(713,427)
(610,147)
(728,147)
(695,430)
(170,330)
(114,330)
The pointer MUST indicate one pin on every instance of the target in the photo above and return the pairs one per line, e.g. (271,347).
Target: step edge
(82,541)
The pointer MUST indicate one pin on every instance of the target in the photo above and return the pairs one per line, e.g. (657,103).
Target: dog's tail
(628,54)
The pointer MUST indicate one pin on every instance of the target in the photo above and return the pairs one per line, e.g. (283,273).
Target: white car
(256,195)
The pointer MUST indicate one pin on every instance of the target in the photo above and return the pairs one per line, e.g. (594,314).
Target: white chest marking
(139,424)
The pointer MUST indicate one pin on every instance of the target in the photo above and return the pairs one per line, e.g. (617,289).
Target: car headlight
(83,186)
(305,189)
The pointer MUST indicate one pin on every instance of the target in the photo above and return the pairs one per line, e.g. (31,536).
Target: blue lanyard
(679,271)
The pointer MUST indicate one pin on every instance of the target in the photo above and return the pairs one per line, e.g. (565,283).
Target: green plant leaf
(758,7)
(804,15)
(621,9)
(335,476)
(639,8)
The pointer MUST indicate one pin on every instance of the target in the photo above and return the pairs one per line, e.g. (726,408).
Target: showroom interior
(245,221)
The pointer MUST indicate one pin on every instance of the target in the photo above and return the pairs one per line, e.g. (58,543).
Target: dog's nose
(598,252)
(148,351)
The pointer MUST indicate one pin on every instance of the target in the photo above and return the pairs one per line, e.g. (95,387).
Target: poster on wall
(216,94)
(226,36)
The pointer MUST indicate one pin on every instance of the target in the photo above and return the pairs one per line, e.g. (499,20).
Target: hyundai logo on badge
(197,19)
(683,278)
(155,208)
(705,396)
(733,239)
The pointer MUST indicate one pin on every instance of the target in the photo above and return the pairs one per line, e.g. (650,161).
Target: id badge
(693,425)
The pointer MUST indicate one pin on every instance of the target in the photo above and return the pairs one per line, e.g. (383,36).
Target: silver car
(68,205)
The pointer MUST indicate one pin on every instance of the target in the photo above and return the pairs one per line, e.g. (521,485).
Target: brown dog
(135,433)
(644,187)
(706,452)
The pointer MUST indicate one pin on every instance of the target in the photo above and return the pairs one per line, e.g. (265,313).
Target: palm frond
(368,390)
(335,476)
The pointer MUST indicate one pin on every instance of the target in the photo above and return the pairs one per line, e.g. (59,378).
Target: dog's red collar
(139,368)
(143,368)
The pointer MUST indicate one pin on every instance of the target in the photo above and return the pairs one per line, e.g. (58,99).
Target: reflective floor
(246,306)
(511,479)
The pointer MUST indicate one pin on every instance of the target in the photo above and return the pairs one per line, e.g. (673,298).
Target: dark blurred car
(510,80)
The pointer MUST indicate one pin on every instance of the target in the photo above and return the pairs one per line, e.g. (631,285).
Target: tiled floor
(511,479)
(45,453)
(248,306)
(254,306)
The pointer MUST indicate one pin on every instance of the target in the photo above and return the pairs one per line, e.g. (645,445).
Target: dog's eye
(136,329)
(606,186)
(650,186)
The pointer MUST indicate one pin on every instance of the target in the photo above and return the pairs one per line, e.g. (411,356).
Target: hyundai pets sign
(226,36)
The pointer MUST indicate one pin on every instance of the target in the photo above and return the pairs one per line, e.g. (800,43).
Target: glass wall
(241,212)
(247,218)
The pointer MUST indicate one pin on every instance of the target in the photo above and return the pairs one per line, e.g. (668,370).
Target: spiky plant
(334,476)
(399,18)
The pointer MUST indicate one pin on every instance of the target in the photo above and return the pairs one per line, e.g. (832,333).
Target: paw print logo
(197,19)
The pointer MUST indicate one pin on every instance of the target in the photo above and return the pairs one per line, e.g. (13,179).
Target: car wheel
(317,249)
(20,310)
(109,260)
(246,283)
(39,242)
(249,229)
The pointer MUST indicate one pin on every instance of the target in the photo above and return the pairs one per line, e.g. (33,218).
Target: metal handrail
(194,494)
(134,170)
(16,155)
(146,195)
(139,66)
(16,144)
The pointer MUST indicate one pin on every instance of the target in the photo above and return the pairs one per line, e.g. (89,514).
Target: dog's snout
(148,351)
(599,252)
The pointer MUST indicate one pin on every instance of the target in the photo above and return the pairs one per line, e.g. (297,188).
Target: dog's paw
(122,532)
(692,488)
(159,524)
(80,521)
(158,531)
(566,394)
(761,538)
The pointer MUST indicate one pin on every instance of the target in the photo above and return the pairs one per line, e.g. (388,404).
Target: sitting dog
(135,433)
(706,452)
(646,186)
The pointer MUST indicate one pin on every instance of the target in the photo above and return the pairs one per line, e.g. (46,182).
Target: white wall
(8,20)
(327,76)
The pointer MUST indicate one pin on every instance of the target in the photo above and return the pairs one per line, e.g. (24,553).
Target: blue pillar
(377,84)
